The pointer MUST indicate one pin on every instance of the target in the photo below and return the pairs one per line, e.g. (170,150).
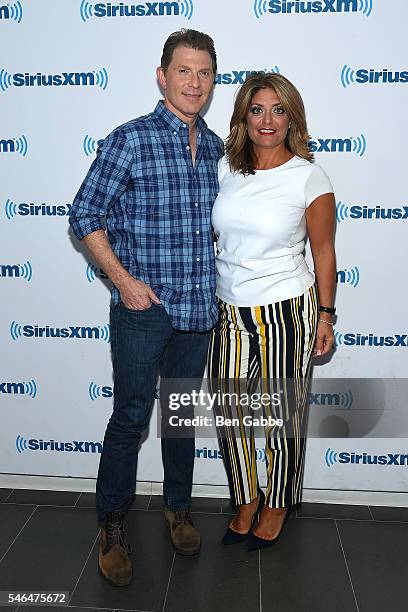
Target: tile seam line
(82,570)
(9,495)
(78,498)
(18,534)
(168,583)
(347,567)
(335,518)
(11,503)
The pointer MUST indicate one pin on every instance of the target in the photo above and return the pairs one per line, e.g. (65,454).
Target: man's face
(187,83)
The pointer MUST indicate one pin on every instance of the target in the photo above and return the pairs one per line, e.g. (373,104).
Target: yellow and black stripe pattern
(267,348)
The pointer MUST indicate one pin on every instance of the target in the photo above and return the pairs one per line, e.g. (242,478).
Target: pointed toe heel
(254,542)
(233,537)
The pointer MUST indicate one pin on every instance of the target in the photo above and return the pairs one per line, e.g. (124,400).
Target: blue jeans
(144,344)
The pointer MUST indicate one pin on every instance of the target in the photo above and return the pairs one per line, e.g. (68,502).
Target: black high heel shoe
(254,542)
(233,537)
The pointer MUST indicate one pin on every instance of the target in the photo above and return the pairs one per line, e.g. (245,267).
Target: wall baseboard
(325,496)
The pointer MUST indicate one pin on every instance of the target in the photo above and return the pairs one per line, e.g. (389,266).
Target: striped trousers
(266,348)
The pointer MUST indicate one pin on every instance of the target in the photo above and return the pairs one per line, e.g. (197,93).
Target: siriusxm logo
(285,7)
(146,9)
(77,332)
(339,145)
(208,453)
(340,400)
(12,11)
(74,446)
(23,270)
(12,210)
(363,76)
(19,388)
(14,145)
(95,391)
(349,277)
(237,77)
(92,273)
(331,457)
(95,78)
(90,145)
(369,340)
(370,213)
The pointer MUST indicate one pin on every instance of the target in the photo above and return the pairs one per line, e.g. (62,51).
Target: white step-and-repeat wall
(70,72)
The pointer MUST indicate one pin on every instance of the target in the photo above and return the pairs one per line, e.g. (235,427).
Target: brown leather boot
(114,562)
(185,537)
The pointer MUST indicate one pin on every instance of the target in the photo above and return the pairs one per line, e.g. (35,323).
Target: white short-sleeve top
(260,223)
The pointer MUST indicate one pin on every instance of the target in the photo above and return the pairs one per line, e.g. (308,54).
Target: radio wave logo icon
(21,444)
(91,272)
(261,454)
(5,79)
(86,10)
(350,277)
(30,388)
(330,457)
(186,8)
(12,11)
(90,145)
(260,8)
(366,7)
(338,338)
(346,399)
(26,271)
(102,78)
(16,330)
(10,208)
(359,145)
(342,212)
(21,145)
(347,76)
(94,391)
(105,333)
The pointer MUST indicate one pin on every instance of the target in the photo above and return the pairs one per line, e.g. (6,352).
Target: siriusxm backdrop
(71,71)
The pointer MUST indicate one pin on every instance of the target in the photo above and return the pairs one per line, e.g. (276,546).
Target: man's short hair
(191,39)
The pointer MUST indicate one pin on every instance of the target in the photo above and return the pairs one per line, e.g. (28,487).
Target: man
(153,185)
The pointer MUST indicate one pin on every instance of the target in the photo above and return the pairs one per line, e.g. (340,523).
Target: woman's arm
(320,222)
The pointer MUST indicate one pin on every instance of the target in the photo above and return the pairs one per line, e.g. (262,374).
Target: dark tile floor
(330,558)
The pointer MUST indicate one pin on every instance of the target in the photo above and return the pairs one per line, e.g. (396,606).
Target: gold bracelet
(328,322)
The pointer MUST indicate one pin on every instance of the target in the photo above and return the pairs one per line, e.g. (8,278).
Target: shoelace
(115,531)
(183,516)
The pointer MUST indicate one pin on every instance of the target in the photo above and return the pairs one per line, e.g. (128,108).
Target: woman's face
(267,121)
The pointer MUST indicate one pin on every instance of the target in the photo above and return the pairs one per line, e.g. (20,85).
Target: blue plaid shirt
(156,208)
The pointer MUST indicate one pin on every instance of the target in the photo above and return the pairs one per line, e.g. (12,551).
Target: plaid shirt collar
(163,114)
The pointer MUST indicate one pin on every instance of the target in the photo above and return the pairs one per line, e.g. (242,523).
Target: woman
(273,318)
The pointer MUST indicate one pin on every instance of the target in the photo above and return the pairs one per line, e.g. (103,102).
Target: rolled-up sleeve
(105,182)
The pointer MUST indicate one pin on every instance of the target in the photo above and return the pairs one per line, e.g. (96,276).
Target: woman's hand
(324,337)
